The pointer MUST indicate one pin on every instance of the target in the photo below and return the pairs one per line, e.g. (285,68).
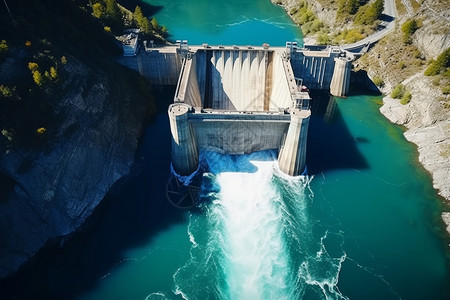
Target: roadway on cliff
(387,25)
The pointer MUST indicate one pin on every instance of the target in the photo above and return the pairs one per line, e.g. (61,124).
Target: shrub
(33,66)
(37,77)
(398,91)
(445,89)
(436,81)
(406,98)
(369,13)
(41,130)
(378,81)
(408,28)
(98,10)
(3,46)
(53,73)
(5,91)
(323,39)
(441,64)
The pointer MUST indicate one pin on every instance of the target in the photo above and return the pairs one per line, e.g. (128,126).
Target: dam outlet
(234,100)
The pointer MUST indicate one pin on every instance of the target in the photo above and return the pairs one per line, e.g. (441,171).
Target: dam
(239,100)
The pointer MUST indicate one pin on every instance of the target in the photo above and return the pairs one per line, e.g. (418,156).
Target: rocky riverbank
(427,115)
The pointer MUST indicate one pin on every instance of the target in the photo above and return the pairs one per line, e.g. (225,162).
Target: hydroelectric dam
(239,100)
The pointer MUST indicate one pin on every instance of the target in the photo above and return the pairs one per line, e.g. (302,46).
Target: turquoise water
(232,22)
(364,223)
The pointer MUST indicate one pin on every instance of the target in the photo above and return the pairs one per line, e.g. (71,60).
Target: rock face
(56,190)
(428,126)
(427,116)
(326,13)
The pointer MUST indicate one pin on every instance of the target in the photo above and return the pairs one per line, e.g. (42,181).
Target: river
(363,224)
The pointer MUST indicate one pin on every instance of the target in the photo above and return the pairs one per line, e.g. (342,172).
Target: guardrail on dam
(238,100)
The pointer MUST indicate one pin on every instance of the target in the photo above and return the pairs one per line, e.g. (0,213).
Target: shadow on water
(330,144)
(147,9)
(128,217)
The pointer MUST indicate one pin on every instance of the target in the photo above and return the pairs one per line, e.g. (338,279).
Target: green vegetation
(408,29)
(53,40)
(116,19)
(303,15)
(3,46)
(441,69)
(406,98)
(378,81)
(6,91)
(398,91)
(349,7)
(369,13)
(141,21)
(348,36)
(440,65)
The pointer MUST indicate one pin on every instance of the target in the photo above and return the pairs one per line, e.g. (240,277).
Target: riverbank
(427,115)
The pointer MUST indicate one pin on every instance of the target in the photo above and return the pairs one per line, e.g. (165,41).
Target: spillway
(237,101)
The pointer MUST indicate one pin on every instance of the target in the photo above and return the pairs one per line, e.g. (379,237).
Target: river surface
(363,224)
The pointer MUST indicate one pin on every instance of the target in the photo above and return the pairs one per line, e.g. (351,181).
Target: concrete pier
(292,157)
(341,76)
(184,146)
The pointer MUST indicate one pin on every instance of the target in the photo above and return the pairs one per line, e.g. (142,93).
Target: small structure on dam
(238,100)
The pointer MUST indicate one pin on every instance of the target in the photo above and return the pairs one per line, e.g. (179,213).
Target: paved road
(390,11)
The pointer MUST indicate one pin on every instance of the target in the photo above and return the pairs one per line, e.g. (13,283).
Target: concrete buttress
(292,156)
(184,145)
(340,81)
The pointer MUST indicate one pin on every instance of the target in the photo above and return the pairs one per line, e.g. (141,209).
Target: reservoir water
(363,224)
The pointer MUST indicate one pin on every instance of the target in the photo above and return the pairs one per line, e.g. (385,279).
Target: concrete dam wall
(238,101)
(316,68)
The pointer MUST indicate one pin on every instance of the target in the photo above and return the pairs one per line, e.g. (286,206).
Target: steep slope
(402,60)
(69,133)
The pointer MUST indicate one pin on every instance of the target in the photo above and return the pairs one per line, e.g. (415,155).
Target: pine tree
(141,20)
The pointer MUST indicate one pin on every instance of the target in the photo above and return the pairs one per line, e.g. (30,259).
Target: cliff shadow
(361,84)
(330,145)
(133,212)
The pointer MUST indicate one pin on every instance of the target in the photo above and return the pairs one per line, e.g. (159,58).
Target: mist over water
(253,238)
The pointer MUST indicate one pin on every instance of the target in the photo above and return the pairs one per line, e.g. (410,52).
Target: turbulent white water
(252,238)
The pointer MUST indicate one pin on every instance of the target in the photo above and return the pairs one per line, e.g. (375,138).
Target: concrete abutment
(238,100)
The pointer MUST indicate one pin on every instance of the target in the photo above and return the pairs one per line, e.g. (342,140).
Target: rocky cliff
(70,121)
(391,62)
(427,115)
(56,188)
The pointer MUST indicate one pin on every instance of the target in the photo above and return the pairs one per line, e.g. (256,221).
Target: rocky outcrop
(324,10)
(428,126)
(426,116)
(56,189)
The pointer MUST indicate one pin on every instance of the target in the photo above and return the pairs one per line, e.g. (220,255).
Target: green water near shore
(364,223)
